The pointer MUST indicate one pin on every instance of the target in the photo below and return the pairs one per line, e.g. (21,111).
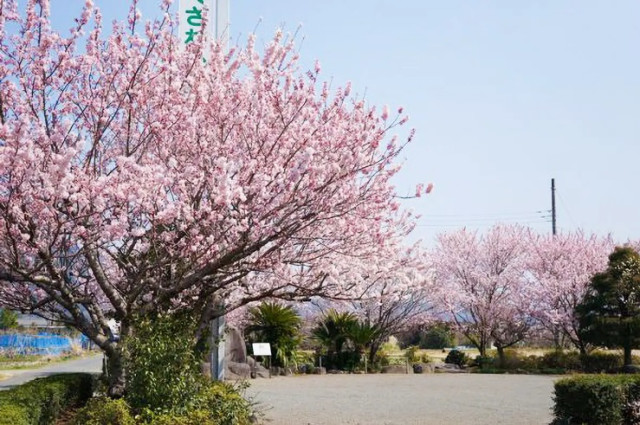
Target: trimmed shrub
(567,360)
(103,410)
(511,360)
(14,415)
(456,357)
(194,417)
(597,400)
(600,361)
(41,401)
(218,404)
(225,404)
(483,362)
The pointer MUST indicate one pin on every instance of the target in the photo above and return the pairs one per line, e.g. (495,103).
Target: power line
(485,219)
(466,224)
(564,207)
(491,215)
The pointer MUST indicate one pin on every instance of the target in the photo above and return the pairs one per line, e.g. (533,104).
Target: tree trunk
(582,347)
(373,350)
(116,373)
(501,356)
(116,363)
(627,355)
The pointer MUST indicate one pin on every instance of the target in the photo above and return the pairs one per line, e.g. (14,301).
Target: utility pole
(553,206)
(190,25)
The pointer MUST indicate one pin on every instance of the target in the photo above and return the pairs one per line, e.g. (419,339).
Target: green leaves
(344,337)
(278,325)
(609,315)
(163,369)
(8,319)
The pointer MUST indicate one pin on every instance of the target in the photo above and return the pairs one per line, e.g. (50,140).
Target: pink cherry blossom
(134,177)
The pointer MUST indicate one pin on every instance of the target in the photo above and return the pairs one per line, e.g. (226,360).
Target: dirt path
(384,399)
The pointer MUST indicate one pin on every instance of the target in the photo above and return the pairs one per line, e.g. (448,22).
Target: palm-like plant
(345,338)
(278,325)
(361,334)
(332,331)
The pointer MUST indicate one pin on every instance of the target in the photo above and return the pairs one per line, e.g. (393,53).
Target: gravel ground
(385,399)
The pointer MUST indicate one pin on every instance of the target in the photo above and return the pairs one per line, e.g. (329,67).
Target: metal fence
(42,343)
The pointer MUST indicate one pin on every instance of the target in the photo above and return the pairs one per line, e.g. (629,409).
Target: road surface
(91,364)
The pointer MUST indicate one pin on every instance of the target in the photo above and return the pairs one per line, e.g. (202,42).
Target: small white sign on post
(261,349)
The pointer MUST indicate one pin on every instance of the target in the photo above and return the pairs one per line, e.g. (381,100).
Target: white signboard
(261,349)
(206,17)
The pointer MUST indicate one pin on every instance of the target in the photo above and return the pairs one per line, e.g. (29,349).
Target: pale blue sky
(504,95)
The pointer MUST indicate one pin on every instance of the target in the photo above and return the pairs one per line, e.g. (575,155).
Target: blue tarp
(43,343)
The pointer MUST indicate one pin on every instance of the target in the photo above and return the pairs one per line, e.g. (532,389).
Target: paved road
(385,399)
(91,364)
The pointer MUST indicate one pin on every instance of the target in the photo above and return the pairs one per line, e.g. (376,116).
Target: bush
(8,319)
(483,362)
(557,359)
(43,400)
(456,357)
(510,360)
(597,400)
(225,404)
(218,403)
(102,410)
(164,367)
(437,337)
(412,354)
(600,361)
(194,417)
(513,360)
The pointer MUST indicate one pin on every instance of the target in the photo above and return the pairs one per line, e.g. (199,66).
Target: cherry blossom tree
(397,297)
(560,268)
(483,285)
(397,293)
(136,178)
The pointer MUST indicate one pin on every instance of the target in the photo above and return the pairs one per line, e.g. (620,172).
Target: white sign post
(262,349)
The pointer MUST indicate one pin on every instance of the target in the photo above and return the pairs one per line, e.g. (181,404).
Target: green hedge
(219,403)
(41,401)
(597,400)
(102,411)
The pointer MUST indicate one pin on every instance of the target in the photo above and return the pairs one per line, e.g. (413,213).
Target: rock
(417,368)
(396,368)
(427,367)
(447,368)
(630,369)
(261,371)
(251,361)
(235,347)
(320,371)
(242,370)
